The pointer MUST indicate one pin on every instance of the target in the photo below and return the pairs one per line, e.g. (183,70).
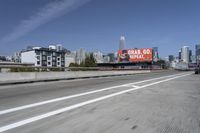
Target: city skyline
(97,25)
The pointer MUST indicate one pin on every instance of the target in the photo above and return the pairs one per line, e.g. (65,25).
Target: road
(164,102)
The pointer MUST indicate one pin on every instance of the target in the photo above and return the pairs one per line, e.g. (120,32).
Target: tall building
(112,57)
(2,58)
(122,43)
(16,57)
(193,58)
(70,58)
(155,54)
(106,59)
(190,56)
(185,54)
(98,57)
(48,57)
(171,58)
(179,55)
(197,52)
(80,56)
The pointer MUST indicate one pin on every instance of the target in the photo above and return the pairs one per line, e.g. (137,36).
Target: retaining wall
(36,76)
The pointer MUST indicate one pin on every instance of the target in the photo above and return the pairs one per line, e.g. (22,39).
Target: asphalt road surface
(165,102)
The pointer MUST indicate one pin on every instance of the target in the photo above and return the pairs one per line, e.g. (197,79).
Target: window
(37,52)
(49,54)
(38,62)
(49,63)
(38,57)
(43,52)
(54,63)
(49,58)
(44,63)
(54,58)
(58,63)
(44,57)
(54,54)
(58,59)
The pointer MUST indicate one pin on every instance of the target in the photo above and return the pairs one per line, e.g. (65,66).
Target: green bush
(22,69)
(84,66)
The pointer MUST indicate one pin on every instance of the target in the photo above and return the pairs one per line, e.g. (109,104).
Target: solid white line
(76,95)
(39,117)
(135,86)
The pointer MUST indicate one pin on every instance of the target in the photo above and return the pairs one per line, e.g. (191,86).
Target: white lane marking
(135,86)
(76,95)
(49,114)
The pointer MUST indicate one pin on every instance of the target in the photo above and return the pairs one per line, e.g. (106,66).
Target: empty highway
(163,102)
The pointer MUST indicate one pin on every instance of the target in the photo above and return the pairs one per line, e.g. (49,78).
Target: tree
(90,61)
(161,63)
(73,65)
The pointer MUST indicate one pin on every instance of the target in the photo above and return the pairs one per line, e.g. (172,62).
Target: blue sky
(96,25)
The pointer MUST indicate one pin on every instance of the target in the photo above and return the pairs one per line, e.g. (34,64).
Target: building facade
(98,57)
(155,54)
(70,58)
(46,57)
(197,52)
(112,57)
(122,43)
(190,56)
(2,58)
(106,59)
(179,55)
(171,58)
(16,57)
(80,56)
(185,54)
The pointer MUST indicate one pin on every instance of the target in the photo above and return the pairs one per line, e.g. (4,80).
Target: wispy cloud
(47,13)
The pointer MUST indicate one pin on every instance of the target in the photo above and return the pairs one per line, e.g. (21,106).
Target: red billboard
(135,55)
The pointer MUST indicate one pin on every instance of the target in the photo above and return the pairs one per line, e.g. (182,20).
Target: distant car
(197,70)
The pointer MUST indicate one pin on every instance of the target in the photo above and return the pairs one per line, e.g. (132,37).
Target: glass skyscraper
(197,52)
(185,54)
(197,48)
(155,54)
(122,43)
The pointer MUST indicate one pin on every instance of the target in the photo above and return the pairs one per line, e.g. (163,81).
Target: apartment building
(48,57)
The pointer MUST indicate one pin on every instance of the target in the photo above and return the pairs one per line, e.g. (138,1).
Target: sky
(96,25)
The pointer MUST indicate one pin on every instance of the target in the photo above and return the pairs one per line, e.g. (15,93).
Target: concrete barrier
(22,77)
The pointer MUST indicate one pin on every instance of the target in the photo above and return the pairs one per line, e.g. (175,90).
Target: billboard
(135,55)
